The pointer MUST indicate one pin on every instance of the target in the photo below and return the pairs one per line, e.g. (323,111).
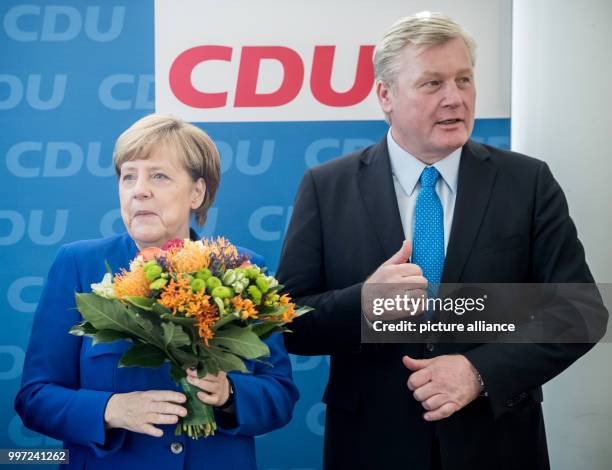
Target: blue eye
(159,176)
(127,177)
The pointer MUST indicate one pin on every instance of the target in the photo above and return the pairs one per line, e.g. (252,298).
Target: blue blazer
(67,381)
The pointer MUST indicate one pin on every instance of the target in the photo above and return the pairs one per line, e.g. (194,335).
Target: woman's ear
(198,193)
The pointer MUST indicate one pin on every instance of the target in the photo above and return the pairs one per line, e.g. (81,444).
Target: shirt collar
(407,168)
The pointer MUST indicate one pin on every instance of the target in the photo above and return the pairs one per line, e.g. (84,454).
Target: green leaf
(142,317)
(108,336)
(161,310)
(224,320)
(206,362)
(183,321)
(303,309)
(142,355)
(226,361)
(210,366)
(177,374)
(241,341)
(264,329)
(185,359)
(198,412)
(108,314)
(174,335)
(141,302)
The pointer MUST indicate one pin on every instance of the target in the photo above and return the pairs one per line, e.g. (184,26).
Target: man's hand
(139,411)
(443,385)
(394,277)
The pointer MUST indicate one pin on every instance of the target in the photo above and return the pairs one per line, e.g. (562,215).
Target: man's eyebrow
(468,71)
(430,74)
(434,74)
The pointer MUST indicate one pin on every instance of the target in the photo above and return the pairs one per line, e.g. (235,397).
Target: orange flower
(245,307)
(149,253)
(192,257)
(178,297)
(288,315)
(132,282)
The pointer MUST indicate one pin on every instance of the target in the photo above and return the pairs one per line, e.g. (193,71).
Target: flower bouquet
(195,304)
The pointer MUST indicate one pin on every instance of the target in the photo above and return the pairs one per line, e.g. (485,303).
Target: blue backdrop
(73,76)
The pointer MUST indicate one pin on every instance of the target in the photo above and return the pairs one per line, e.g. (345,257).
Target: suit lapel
(378,195)
(476,178)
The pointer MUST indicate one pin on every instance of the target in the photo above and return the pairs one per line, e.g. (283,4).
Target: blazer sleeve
(50,400)
(266,397)
(301,271)
(510,371)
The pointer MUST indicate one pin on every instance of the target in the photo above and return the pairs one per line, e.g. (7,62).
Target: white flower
(105,287)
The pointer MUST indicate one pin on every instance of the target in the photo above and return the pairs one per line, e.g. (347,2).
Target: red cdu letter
(320,78)
(180,76)
(248,74)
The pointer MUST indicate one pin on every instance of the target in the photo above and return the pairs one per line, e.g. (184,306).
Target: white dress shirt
(407,169)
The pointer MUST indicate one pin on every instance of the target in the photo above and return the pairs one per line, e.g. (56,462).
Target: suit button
(430,347)
(176,448)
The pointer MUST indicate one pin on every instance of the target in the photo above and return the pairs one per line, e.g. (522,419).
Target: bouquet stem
(200,419)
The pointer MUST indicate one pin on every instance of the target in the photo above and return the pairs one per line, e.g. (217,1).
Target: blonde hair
(196,149)
(424,29)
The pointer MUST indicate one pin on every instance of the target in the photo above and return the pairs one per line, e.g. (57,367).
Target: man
(468,213)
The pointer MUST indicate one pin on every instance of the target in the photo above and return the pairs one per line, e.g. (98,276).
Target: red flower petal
(176,243)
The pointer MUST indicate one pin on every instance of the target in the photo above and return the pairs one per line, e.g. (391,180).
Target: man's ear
(384,93)
(198,193)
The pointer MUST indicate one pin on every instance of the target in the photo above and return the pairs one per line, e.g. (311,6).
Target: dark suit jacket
(510,225)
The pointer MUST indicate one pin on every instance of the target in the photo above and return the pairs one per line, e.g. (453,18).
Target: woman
(110,417)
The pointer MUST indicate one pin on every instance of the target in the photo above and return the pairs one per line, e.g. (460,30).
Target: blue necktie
(428,238)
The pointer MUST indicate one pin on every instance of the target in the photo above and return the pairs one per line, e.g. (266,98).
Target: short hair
(423,29)
(196,149)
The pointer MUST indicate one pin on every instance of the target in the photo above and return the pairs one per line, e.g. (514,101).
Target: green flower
(255,294)
(222,292)
(158,284)
(262,283)
(148,264)
(153,272)
(203,274)
(212,282)
(252,272)
(197,285)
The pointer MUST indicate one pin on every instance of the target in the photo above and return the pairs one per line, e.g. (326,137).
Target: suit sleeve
(510,371)
(50,400)
(301,271)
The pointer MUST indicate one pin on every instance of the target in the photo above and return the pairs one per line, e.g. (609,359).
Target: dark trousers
(436,460)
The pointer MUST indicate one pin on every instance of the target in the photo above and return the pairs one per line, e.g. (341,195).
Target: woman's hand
(215,388)
(139,411)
